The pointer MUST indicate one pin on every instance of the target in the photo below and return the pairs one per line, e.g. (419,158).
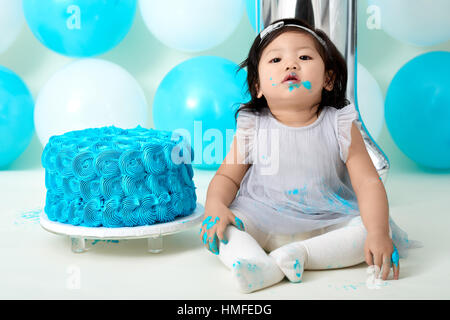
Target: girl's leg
(341,247)
(251,267)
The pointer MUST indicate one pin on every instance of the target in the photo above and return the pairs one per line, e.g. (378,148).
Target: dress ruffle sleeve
(344,120)
(245,134)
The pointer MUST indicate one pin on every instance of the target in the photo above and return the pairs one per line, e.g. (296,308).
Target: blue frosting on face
(113,177)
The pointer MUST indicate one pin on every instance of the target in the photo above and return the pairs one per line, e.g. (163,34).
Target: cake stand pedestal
(153,233)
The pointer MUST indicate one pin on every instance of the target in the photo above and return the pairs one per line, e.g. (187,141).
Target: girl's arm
(372,203)
(369,189)
(225,183)
(221,192)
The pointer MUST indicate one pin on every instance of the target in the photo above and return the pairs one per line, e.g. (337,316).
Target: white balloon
(89,93)
(418,22)
(370,101)
(11,22)
(193,25)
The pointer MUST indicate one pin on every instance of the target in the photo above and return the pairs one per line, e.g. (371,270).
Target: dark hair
(333,60)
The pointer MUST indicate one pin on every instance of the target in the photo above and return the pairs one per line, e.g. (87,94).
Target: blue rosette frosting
(71,187)
(163,214)
(51,200)
(83,166)
(61,211)
(76,212)
(112,217)
(153,158)
(147,212)
(63,163)
(107,163)
(89,189)
(153,184)
(146,216)
(177,203)
(132,186)
(129,212)
(93,213)
(111,186)
(49,180)
(48,158)
(130,163)
(174,184)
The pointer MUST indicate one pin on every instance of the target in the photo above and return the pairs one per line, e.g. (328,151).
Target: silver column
(337,18)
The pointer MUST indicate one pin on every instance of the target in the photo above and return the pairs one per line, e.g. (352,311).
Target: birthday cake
(112,177)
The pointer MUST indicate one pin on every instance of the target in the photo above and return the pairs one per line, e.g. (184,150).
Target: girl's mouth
(291,78)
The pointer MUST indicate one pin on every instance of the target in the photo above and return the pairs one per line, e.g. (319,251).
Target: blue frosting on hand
(209,224)
(115,177)
(213,246)
(239,223)
(395,257)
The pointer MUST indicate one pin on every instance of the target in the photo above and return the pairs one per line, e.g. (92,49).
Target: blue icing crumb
(297,268)
(32,216)
(113,177)
(104,241)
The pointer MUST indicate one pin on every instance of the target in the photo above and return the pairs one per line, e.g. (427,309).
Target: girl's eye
(275,60)
(305,57)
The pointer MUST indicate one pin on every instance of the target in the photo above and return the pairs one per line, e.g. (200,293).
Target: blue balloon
(81,28)
(16,116)
(417,109)
(198,98)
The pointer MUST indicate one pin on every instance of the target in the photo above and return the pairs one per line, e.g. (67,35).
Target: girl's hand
(217,218)
(379,250)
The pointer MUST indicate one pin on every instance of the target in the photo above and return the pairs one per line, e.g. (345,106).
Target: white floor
(37,264)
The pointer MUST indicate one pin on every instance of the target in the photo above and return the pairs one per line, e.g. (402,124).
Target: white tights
(337,246)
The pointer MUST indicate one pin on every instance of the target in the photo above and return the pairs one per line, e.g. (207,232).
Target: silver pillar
(337,18)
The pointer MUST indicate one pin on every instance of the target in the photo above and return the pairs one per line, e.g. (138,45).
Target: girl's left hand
(378,250)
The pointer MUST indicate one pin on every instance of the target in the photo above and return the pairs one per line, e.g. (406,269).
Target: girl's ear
(258,92)
(329,80)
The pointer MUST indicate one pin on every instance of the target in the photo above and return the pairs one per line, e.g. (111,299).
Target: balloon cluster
(417,104)
(92,93)
(199,96)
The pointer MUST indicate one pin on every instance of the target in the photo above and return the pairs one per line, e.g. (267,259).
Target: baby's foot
(291,260)
(255,274)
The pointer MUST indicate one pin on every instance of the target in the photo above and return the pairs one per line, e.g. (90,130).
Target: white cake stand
(153,233)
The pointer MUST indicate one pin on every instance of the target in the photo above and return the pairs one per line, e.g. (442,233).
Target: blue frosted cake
(112,177)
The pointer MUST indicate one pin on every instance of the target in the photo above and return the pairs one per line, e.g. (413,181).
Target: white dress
(298,180)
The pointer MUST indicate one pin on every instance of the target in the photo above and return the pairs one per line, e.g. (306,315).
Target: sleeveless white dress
(298,180)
